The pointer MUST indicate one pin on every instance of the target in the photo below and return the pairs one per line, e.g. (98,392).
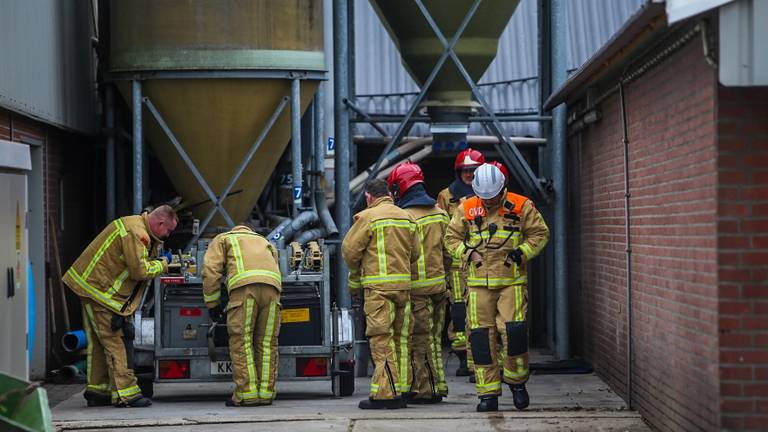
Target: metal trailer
(179,343)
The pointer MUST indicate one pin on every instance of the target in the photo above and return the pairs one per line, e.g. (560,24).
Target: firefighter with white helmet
(494,235)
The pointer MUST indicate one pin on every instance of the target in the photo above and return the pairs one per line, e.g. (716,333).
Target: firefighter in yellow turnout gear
(109,277)
(428,292)
(381,250)
(250,264)
(449,199)
(495,234)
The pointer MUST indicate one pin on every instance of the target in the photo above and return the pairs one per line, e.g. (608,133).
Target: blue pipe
(74,341)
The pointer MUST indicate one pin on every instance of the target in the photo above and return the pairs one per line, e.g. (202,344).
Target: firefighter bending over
(495,235)
(249,263)
(382,251)
(109,277)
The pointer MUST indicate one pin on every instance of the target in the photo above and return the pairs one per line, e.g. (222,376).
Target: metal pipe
(389,158)
(109,102)
(296,144)
(341,68)
(305,237)
(138,158)
(320,202)
(303,219)
(627,240)
(559,75)
(373,118)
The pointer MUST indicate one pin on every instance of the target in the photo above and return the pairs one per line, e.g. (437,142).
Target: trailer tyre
(347,380)
(147,385)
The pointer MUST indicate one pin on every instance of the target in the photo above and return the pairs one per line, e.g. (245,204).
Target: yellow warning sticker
(294,315)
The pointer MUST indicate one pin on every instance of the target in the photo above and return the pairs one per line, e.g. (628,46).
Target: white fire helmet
(488,182)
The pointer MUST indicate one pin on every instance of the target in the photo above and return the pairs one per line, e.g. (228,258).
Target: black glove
(118,322)
(459,316)
(216,313)
(515,256)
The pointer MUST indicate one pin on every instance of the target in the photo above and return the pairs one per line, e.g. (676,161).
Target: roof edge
(643,25)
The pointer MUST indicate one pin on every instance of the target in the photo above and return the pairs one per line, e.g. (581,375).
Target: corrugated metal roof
(510,84)
(46,70)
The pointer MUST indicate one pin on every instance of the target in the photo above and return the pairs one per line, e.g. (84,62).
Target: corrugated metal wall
(510,84)
(46,70)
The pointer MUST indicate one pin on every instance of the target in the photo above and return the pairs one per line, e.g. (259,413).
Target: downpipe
(628,244)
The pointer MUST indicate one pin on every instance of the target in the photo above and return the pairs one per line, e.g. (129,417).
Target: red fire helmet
(501,167)
(403,177)
(468,158)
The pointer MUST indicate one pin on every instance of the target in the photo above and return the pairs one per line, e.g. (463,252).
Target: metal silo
(449,99)
(211,75)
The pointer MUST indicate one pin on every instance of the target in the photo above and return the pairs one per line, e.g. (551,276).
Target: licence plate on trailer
(294,315)
(221,368)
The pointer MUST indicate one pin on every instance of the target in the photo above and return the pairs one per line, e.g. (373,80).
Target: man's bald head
(162,221)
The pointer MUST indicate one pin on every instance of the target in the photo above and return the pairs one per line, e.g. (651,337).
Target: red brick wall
(673,205)
(743,256)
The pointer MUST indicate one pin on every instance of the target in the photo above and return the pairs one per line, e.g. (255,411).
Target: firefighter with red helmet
(501,168)
(449,199)
(428,290)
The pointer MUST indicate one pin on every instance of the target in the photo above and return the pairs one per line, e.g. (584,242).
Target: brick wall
(743,256)
(673,175)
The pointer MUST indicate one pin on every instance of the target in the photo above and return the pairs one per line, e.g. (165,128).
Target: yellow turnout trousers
(107,363)
(428,368)
(498,312)
(253,323)
(389,323)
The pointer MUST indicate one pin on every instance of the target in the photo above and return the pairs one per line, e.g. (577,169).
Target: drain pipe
(628,244)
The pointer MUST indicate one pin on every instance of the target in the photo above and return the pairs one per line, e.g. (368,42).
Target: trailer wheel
(146,384)
(347,379)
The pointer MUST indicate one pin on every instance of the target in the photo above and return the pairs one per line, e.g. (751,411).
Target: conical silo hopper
(215,114)
(449,99)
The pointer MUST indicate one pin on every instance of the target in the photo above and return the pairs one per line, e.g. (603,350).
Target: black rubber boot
(426,401)
(488,403)
(406,398)
(520,396)
(380,404)
(472,379)
(463,370)
(96,400)
(139,402)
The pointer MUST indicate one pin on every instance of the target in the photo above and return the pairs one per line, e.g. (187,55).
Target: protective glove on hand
(515,256)
(167,255)
(216,313)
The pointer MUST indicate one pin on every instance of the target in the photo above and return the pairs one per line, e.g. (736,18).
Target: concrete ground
(558,402)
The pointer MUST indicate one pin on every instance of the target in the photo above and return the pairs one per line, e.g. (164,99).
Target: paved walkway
(558,402)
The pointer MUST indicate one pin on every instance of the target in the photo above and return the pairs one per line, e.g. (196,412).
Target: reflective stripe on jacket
(382,247)
(517,225)
(243,257)
(431,223)
(115,263)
